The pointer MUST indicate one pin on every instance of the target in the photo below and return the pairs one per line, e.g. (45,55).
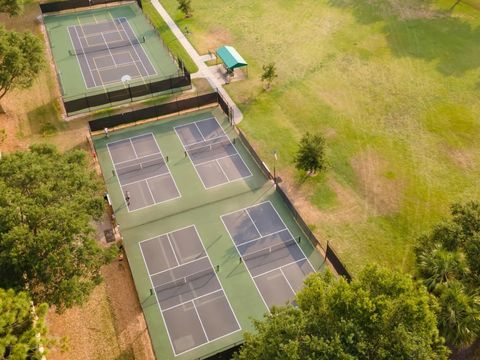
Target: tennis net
(137,166)
(185,280)
(268,250)
(219,143)
(106,47)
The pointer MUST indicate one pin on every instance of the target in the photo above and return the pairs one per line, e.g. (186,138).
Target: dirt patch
(382,191)
(213,39)
(463,158)
(129,322)
(88,330)
(109,326)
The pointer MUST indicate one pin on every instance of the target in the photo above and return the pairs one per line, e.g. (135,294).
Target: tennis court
(214,156)
(191,299)
(108,52)
(272,255)
(142,171)
(104,49)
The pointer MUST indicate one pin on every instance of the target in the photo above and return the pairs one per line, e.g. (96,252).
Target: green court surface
(68,65)
(202,208)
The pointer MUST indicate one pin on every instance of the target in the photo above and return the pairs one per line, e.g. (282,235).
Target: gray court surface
(192,301)
(108,51)
(142,172)
(272,256)
(213,155)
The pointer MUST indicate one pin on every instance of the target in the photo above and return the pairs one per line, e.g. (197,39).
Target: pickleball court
(142,172)
(191,299)
(271,254)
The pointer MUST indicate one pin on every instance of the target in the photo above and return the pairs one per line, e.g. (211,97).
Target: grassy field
(393,86)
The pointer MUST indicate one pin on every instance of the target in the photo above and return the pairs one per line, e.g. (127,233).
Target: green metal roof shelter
(231,58)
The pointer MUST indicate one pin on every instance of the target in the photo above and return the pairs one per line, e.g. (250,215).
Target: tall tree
(379,315)
(47,243)
(11,7)
(185,6)
(311,153)
(21,59)
(448,262)
(22,329)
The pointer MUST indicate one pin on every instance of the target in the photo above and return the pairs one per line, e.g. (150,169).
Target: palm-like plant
(459,317)
(438,266)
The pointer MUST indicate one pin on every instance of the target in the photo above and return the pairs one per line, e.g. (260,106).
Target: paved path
(203,69)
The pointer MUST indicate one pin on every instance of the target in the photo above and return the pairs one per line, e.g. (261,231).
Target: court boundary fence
(56,6)
(156,111)
(329,252)
(129,92)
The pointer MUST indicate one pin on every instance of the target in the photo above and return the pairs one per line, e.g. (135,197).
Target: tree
(21,59)
(448,264)
(269,74)
(311,154)
(47,244)
(11,7)
(459,316)
(20,327)
(379,315)
(185,6)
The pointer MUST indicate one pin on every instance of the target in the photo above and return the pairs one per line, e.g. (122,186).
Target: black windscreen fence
(155,111)
(129,92)
(71,4)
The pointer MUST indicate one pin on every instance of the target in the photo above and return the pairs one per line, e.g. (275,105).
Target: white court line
(209,161)
(200,132)
(261,237)
(109,50)
(253,222)
(133,147)
(173,250)
(200,320)
(277,268)
(221,169)
(180,265)
(192,300)
(288,282)
(150,191)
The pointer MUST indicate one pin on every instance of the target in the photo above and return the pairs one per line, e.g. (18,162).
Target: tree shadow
(414,28)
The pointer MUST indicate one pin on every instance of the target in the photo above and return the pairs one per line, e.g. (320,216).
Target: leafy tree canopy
(379,315)
(448,261)
(47,244)
(311,154)
(21,59)
(19,327)
(11,7)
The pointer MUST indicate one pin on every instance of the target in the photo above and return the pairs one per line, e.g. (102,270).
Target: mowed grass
(393,85)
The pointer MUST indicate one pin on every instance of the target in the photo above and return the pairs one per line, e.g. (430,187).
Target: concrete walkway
(203,69)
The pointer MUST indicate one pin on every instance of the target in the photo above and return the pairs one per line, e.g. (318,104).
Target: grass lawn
(394,87)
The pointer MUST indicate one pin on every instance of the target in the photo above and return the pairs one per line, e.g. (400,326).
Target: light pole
(275,167)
